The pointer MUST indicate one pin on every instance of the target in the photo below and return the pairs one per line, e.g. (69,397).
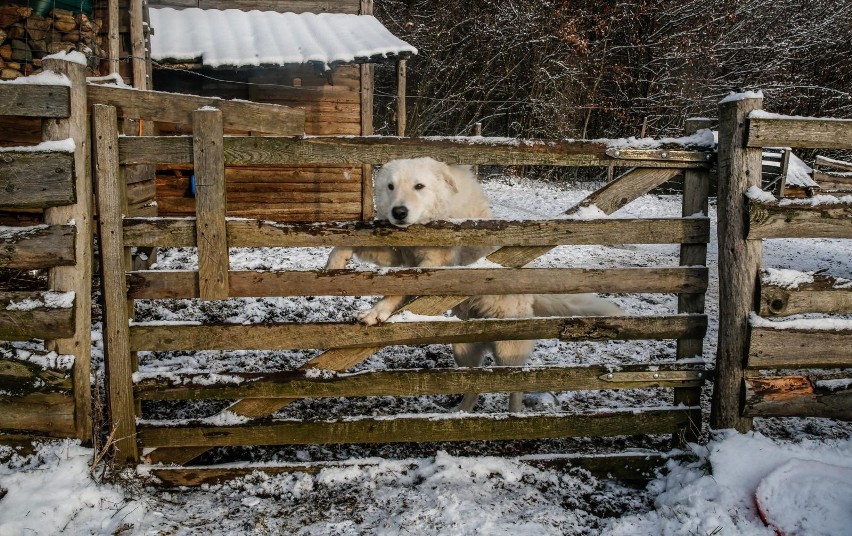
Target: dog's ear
(446,174)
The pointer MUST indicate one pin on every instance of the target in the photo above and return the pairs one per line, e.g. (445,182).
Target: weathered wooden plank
(210,204)
(155,284)
(833,181)
(18,378)
(50,414)
(180,232)
(771,220)
(36,179)
(825,162)
(283,151)
(40,246)
(823,295)
(344,335)
(77,278)
(624,189)
(813,133)
(618,466)
(28,315)
(33,100)
(739,259)
(420,382)
(110,181)
(427,428)
(296,6)
(795,396)
(798,348)
(178,108)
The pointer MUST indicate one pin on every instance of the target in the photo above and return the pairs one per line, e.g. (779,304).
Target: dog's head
(413,191)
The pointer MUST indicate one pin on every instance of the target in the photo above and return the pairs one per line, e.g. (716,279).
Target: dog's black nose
(399,213)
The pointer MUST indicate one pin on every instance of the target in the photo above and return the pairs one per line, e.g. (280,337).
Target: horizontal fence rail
(181,232)
(284,151)
(795,396)
(823,295)
(794,220)
(799,348)
(36,179)
(155,284)
(800,132)
(428,428)
(291,336)
(40,246)
(35,100)
(27,315)
(418,382)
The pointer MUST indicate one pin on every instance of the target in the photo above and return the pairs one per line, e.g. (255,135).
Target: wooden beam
(626,188)
(773,220)
(178,108)
(825,162)
(36,179)
(824,295)
(795,396)
(77,278)
(50,414)
(113,36)
(34,100)
(839,181)
(39,246)
(426,428)
(420,382)
(119,368)
(401,82)
(285,151)
(798,348)
(156,284)
(180,232)
(811,133)
(739,260)
(285,336)
(210,204)
(28,315)
(139,55)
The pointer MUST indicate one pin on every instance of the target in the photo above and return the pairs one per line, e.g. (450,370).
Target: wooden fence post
(696,190)
(76,278)
(401,75)
(212,239)
(739,259)
(117,358)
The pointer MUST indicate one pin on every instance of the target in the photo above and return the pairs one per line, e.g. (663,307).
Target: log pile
(26,37)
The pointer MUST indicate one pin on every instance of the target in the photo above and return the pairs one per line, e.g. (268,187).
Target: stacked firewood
(27,37)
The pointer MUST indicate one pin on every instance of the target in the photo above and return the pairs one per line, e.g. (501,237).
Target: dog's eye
(419,186)
(390,186)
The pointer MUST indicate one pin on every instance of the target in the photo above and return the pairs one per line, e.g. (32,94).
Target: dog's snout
(399,213)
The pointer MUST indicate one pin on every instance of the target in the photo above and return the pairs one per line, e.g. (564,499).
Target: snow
(73,57)
(451,488)
(787,278)
(703,138)
(824,324)
(61,146)
(744,95)
(44,78)
(51,300)
(238,38)
(799,173)
(759,195)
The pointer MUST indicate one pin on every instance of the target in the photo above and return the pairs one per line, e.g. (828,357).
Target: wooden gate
(347,344)
(749,344)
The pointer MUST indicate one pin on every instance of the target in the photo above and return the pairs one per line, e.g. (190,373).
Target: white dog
(421,190)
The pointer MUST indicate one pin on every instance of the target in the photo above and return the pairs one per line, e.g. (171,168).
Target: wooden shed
(301,55)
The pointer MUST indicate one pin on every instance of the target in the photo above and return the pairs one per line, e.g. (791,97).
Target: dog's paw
(371,317)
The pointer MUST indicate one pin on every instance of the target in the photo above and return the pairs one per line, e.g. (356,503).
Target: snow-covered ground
(460,489)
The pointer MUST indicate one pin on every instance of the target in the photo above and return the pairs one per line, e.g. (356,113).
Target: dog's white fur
(421,190)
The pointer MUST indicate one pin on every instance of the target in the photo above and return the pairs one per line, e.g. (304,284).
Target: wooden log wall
(57,186)
(331,103)
(793,354)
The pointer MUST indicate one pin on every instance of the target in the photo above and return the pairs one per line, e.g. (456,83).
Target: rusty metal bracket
(659,154)
(655,375)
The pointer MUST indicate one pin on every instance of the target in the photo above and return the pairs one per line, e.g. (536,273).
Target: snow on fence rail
(50,180)
(748,343)
(520,242)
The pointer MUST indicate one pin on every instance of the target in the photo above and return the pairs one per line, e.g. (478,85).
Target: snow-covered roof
(232,37)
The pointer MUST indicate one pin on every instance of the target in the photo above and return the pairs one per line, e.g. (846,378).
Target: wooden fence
(349,344)
(53,183)
(748,343)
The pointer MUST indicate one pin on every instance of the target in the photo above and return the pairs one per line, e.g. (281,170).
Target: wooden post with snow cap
(739,258)
(78,277)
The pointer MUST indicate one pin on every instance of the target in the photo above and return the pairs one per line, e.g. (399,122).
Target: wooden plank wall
(332,105)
